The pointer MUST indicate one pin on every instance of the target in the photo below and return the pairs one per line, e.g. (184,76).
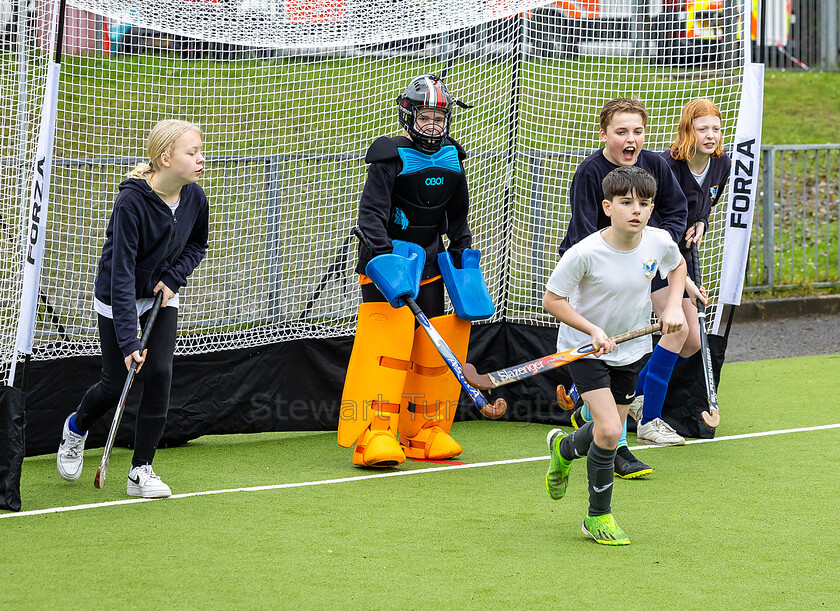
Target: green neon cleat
(558,471)
(604,530)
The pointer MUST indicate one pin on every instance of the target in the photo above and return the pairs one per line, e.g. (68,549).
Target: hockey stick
(494,379)
(99,480)
(332,270)
(565,400)
(494,411)
(712,417)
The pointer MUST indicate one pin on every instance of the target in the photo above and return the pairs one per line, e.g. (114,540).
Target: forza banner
(743,183)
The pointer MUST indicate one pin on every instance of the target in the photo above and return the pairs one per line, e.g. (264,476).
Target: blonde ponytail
(161,139)
(141,170)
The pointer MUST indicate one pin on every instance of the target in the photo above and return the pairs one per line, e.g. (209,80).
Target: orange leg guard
(375,378)
(430,396)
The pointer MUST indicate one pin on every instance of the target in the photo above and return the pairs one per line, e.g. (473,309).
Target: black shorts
(429,299)
(592,374)
(658,283)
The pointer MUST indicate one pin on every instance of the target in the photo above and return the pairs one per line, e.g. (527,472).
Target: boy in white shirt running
(600,288)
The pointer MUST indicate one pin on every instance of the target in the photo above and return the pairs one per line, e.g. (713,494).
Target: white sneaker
(142,481)
(636,408)
(70,455)
(658,432)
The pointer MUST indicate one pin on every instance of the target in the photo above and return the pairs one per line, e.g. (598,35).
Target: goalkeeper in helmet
(415,191)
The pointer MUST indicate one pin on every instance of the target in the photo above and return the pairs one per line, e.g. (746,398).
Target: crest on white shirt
(650,268)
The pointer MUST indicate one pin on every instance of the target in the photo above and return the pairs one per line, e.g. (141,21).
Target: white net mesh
(290,95)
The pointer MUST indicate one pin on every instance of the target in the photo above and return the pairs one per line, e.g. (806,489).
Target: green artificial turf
(741,523)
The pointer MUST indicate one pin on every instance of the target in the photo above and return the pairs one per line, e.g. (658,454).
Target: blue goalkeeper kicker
(466,286)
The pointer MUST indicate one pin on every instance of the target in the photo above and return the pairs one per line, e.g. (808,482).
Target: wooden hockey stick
(99,480)
(494,411)
(494,379)
(564,399)
(712,417)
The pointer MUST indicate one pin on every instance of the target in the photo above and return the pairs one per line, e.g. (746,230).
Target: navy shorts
(658,283)
(592,374)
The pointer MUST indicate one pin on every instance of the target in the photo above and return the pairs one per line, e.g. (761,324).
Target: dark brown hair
(628,179)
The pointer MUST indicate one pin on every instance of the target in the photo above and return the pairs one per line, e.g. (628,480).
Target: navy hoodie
(701,200)
(586,195)
(146,244)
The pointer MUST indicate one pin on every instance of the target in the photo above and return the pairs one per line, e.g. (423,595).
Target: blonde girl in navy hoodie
(156,236)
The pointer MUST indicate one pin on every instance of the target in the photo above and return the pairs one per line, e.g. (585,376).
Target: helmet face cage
(425,92)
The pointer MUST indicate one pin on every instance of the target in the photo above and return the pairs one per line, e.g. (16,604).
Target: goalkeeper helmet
(425,111)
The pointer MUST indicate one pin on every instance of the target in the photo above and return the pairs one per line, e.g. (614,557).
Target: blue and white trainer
(70,455)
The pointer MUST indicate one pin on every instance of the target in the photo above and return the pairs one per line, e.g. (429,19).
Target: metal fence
(797,34)
(796,228)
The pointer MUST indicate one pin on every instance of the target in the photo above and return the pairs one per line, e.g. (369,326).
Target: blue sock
(72,426)
(659,368)
(640,382)
(587,415)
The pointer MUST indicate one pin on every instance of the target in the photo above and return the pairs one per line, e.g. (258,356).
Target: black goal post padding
(12,448)
(297,385)
(686,398)
(497,345)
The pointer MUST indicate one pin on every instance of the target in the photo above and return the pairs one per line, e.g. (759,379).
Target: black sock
(576,444)
(625,453)
(600,468)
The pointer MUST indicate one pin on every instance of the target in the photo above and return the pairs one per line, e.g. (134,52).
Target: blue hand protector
(467,289)
(398,274)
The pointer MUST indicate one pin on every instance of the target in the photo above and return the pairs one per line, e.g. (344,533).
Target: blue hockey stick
(494,411)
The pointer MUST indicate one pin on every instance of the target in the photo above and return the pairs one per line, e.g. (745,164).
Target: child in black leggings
(156,236)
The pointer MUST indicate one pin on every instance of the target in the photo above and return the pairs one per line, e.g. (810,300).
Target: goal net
(290,93)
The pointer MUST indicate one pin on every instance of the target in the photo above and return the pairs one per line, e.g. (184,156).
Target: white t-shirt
(611,289)
(144,304)
(701,177)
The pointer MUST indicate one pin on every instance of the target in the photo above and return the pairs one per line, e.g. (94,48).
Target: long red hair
(685,146)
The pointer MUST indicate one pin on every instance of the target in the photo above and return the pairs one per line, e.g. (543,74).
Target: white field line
(344,480)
